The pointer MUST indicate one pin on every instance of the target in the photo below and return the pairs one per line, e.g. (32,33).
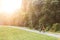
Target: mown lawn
(7,33)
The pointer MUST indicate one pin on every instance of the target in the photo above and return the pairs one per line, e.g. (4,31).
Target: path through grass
(7,33)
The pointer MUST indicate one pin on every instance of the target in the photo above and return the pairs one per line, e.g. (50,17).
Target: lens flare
(10,6)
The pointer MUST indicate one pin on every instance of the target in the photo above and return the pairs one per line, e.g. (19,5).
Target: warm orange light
(10,6)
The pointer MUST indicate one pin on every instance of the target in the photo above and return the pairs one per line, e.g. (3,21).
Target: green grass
(7,33)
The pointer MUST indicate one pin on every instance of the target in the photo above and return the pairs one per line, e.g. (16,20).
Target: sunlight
(10,6)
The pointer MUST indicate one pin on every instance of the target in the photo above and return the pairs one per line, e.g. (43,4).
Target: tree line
(43,14)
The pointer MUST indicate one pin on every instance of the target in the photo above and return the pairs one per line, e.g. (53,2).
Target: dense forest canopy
(43,14)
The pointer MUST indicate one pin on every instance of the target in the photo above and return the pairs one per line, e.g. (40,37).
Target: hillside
(7,33)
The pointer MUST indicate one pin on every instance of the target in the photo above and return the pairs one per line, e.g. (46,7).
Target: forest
(35,14)
(42,15)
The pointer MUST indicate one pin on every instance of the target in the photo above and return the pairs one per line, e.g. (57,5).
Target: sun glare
(10,6)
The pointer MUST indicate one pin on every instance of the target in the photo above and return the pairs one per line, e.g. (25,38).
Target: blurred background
(36,14)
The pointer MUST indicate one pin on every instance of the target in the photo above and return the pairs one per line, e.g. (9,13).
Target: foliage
(56,27)
(45,12)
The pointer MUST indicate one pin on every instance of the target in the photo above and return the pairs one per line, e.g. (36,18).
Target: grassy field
(7,33)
